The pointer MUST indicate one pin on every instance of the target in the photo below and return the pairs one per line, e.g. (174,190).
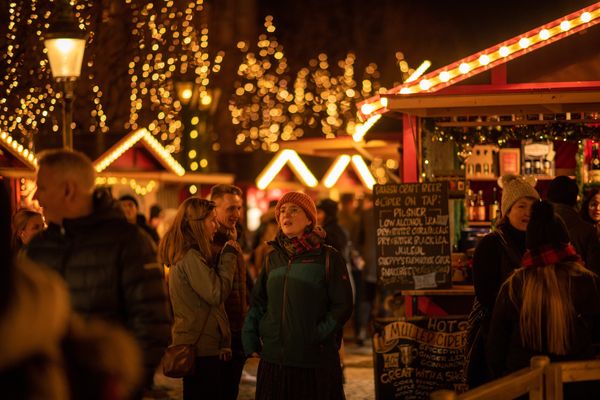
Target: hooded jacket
(111,270)
(298,308)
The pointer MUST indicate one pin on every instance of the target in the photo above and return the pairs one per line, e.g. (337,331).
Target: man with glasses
(562,193)
(228,201)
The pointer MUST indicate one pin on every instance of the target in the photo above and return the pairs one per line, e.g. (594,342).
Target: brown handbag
(179,360)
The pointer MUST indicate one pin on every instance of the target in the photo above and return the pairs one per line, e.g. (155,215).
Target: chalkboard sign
(413,359)
(413,235)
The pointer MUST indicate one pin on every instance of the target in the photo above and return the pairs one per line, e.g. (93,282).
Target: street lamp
(198,104)
(65,44)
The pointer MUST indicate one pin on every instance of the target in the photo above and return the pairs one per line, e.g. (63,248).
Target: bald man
(108,264)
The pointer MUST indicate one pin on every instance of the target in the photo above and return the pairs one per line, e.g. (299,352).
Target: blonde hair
(546,298)
(19,221)
(187,232)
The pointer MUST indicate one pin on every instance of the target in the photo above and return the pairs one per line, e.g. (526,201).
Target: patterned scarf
(550,254)
(311,239)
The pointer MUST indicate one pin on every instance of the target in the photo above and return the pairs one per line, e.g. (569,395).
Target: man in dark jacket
(228,201)
(562,192)
(108,264)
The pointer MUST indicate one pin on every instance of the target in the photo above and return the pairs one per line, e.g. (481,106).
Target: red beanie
(301,200)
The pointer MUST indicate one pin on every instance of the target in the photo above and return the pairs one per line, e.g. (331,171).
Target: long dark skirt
(279,382)
(206,382)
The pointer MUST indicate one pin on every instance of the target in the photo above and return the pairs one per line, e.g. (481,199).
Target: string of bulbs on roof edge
(486,59)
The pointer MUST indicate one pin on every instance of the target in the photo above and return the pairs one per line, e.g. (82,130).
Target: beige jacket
(197,294)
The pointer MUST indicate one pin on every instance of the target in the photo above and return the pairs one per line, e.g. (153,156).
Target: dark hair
(219,191)
(128,197)
(586,205)
(545,227)
(563,190)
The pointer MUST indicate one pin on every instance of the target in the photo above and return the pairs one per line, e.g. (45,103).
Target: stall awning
(515,99)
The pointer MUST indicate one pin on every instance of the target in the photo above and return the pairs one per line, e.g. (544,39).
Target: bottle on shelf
(494,207)
(470,206)
(527,167)
(537,167)
(480,207)
(547,167)
(594,172)
(595,165)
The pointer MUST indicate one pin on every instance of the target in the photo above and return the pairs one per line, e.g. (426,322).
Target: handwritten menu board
(413,359)
(413,235)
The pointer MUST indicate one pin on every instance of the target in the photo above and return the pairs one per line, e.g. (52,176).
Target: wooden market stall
(545,94)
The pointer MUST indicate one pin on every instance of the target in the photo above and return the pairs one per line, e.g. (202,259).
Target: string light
(493,56)
(278,162)
(151,144)
(170,41)
(271,105)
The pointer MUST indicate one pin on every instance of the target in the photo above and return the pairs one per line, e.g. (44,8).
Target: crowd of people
(112,290)
(536,283)
(92,294)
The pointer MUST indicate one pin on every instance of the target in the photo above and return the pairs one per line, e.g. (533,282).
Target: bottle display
(480,207)
(595,164)
(494,207)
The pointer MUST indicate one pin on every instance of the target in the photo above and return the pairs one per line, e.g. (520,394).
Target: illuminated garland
(270,105)
(502,135)
(170,44)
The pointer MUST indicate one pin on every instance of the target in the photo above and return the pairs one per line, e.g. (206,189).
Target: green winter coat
(298,308)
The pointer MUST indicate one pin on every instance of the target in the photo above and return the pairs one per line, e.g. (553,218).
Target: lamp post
(198,105)
(65,44)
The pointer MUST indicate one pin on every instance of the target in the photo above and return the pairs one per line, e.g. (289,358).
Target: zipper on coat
(283,302)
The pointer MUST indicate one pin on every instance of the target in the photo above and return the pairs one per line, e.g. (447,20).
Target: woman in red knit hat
(300,302)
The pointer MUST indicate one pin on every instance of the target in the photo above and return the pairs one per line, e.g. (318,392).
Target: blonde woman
(198,286)
(551,305)
(25,224)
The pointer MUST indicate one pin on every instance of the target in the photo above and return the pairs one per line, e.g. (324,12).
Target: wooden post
(542,362)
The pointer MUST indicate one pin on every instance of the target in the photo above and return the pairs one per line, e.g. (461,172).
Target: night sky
(441,31)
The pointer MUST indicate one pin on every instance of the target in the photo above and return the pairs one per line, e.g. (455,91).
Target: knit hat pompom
(545,228)
(301,200)
(515,187)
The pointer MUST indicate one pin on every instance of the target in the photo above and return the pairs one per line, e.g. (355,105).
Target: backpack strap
(268,259)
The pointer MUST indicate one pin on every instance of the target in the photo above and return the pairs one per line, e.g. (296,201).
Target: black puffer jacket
(111,270)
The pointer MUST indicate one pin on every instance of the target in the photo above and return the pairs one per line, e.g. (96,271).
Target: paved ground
(358,373)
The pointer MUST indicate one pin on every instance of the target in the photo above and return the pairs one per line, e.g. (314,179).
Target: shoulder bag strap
(204,326)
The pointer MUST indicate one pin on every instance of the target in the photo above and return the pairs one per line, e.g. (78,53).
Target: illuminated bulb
(424,84)
(565,25)
(504,51)
(363,171)
(206,100)
(484,59)
(544,34)
(464,68)
(336,170)
(404,90)
(444,76)
(367,109)
(384,102)
(524,43)
(186,94)
(586,17)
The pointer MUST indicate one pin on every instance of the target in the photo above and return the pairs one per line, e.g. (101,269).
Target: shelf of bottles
(479,211)
(591,163)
